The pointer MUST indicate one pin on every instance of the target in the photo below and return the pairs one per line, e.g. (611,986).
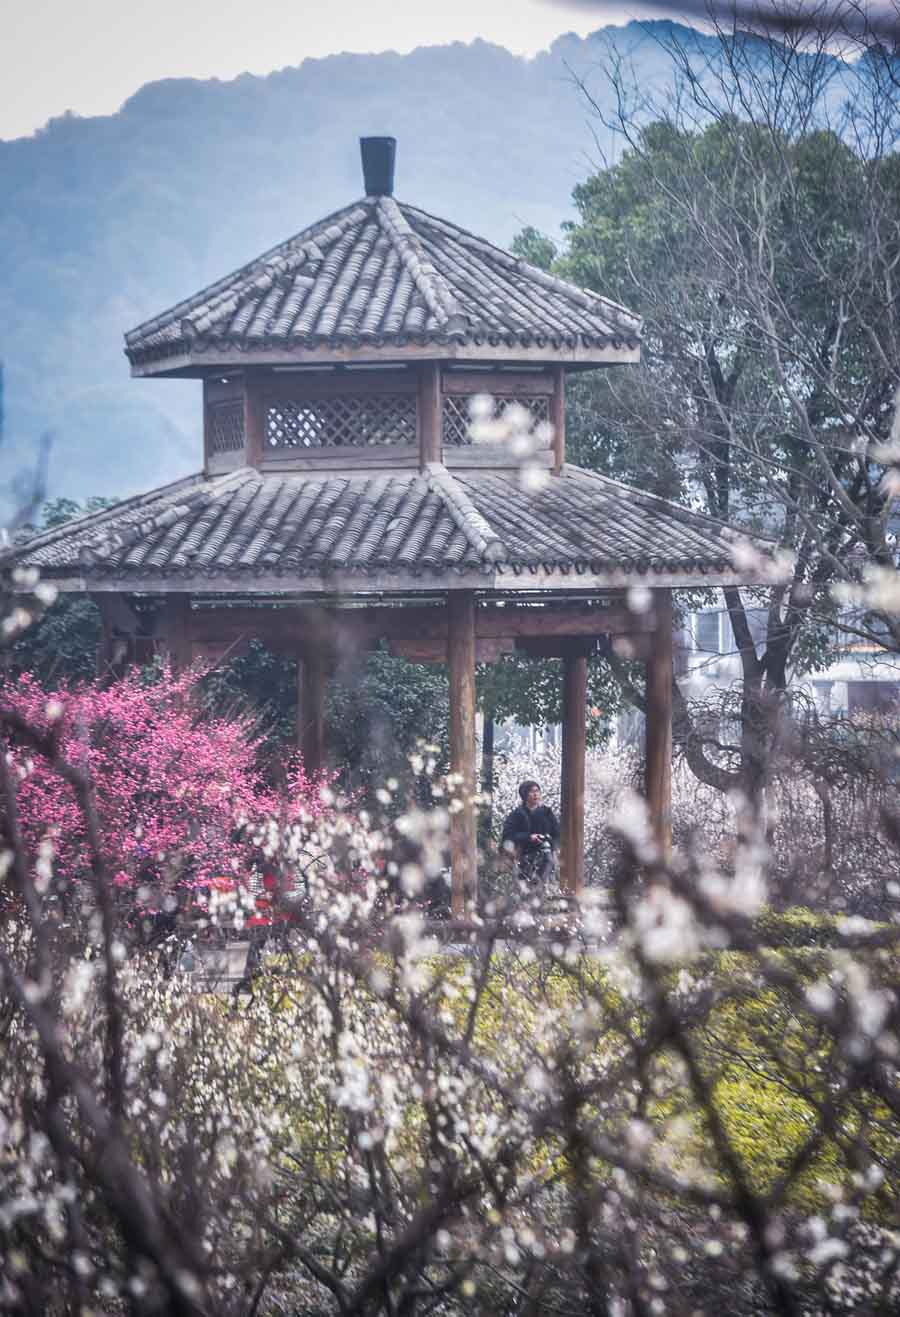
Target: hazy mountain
(107,221)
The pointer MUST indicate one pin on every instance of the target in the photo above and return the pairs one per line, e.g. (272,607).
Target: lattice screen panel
(226,426)
(357,422)
(456,418)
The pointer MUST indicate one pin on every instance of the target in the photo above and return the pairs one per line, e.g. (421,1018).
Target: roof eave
(196,362)
(499,578)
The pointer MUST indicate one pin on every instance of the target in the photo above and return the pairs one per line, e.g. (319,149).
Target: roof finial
(378,155)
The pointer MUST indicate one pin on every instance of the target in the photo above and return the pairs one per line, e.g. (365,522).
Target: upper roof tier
(381,280)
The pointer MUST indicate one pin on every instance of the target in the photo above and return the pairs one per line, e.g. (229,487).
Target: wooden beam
(485,822)
(312,690)
(495,456)
(418,632)
(284,627)
(557,646)
(516,620)
(353,628)
(498,383)
(434,650)
(558,418)
(574,747)
(658,737)
(288,628)
(337,384)
(429,413)
(461,664)
(344,460)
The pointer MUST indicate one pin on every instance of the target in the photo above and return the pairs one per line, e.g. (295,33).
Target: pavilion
(342,501)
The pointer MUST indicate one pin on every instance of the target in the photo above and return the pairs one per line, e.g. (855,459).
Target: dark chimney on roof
(378,155)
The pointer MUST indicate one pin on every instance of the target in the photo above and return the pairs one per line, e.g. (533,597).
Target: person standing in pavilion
(531,831)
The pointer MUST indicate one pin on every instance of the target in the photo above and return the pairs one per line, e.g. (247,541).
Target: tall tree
(752,219)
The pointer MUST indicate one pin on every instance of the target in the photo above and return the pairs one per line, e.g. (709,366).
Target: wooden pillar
(574,746)
(658,737)
(254,420)
(312,689)
(113,652)
(461,665)
(429,413)
(115,649)
(558,418)
(175,629)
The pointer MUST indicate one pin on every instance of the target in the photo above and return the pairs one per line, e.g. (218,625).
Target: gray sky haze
(91,55)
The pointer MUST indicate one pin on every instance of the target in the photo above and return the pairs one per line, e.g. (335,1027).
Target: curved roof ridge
(473,524)
(425,274)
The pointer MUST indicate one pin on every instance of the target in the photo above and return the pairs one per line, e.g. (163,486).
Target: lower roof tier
(360,533)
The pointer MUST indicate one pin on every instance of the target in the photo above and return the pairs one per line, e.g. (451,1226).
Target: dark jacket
(522,822)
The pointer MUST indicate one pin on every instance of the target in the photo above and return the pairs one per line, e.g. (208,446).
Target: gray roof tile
(237,526)
(383,272)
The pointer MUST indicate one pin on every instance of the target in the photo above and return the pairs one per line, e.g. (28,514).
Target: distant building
(862,678)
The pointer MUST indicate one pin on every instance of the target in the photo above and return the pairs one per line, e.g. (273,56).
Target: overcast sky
(90,55)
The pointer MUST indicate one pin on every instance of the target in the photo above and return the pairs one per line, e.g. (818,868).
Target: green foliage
(767,1060)
(675,230)
(637,241)
(375,716)
(533,246)
(596,438)
(57,511)
(261,684)
(529,691)
(376,719)
(795,927)
(62,645)
(762,1092)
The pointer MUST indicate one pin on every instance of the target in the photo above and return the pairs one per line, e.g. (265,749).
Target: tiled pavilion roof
(384,274)
(298,530)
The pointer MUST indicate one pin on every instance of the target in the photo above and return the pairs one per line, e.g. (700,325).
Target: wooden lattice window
(456,418)
(226,426)
(345,421)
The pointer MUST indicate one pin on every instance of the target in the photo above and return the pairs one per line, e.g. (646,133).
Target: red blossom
(179,794)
